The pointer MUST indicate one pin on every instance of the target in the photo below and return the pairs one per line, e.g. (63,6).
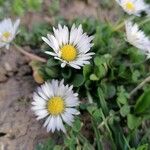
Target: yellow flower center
(6,35)
(68,52)
(55,105)
(129,6)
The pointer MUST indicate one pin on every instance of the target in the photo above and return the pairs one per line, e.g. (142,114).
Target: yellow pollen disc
(68,53)
(129,6)
(6,35)
(55,105)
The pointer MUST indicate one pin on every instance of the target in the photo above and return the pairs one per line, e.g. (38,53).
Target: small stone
(16,108)
(8,66)
(3,72)
(11,136)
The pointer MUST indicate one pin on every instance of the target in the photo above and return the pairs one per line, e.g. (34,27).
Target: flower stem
(90,99)
(145,21)
(30,55)
(146,80)
(121,25)
(97,135)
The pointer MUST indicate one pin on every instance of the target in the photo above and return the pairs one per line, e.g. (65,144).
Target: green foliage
(143,103)
(34,5)
(54,7)
(78,80)
(105,86)
(133,121)
(19,7)
(48,145)
(108,113)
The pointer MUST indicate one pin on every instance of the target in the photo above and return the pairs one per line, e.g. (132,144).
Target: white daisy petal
(68,118)
(41,114)
(137,37)
(72,111)
(134,7)
(52,124)
(16,25)
(51,53)
(47,121)
(63,65)
(48,42)
(70,47)
(38,108)
(75,66)
(55,102)
(54,41)
(59,124)
(8,32)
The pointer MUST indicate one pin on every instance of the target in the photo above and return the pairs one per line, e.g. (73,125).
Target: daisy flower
(71,48)
(137,38)
(55,102)
(134,7)
(8,31)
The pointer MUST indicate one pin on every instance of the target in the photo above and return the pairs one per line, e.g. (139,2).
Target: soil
(19,129)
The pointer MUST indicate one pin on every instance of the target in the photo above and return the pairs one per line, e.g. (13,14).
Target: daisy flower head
(8,31)
(55,102)
(70,47)
(134,7)
(136,37)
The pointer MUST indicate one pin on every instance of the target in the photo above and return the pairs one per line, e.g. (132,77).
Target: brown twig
(146,80)
(31,56)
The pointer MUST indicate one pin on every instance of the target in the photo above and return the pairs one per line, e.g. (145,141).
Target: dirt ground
(19,129)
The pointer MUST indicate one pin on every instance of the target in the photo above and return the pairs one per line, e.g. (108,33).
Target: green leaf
(101,71)
(51,62)
(103,102)
(93,77)
(77,125)
(133,121)
(18,7)
(143,147)
(78,80)
(66,74)
(86,71)
(97,115)
(34,5)
(135,75)
(70,142)
(98,61)
(109,89)
(57,147)
(47,145)
(125,110)
(122,95)
(88,146)
(52,72)
(91,109)
(54,7)
(143,103)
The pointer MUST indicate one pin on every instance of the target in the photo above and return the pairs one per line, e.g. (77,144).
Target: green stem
(83,140)
(105,120)
(127,143)
(96,131)
(90,99)
(107,127)
(97,135)
(146,80)
(145,21)
(121,25)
